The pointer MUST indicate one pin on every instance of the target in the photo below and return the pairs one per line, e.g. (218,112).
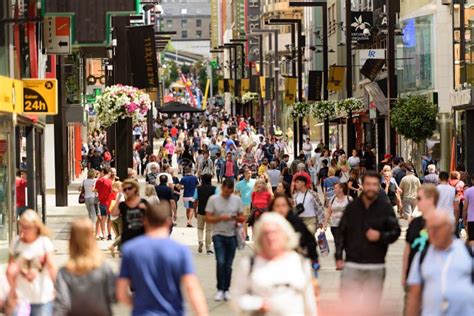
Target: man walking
(157,268)
(447,195)
(165,193)
(205,166)
(224,211)
(409,185)
(366,229)
(203,193)
(189,182)
(307,205)
(244,189)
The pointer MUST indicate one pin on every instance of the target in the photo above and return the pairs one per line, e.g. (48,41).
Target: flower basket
(119,102)
(300,110)
(249,97)
(349,106)
(324,110)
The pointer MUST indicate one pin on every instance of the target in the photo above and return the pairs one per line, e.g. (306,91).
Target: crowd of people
(239,186)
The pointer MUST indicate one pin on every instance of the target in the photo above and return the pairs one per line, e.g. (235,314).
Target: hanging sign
(57,35)
(361,22)
(40,96)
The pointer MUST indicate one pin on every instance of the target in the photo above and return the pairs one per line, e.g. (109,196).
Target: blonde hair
(31,217)
(292,237)
(84,254)
(331,172)
(257,183)
(117,186)
(150,190)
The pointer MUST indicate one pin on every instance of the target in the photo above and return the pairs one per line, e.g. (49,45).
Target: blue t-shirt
(155,267)
(229,144)
(329,185)
(245,188)
(190,183)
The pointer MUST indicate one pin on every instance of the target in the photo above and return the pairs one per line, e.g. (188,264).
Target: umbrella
(178,107)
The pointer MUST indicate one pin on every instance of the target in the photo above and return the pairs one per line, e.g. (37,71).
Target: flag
(290,90)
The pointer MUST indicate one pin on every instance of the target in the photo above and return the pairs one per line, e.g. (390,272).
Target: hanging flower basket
(350,105)
(324,110)
(119,102)
(249,96)
(300,110)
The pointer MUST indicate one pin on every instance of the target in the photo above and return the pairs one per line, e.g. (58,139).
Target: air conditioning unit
(446,2)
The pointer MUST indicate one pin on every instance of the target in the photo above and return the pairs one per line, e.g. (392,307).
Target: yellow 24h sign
(11,95)
(40,96)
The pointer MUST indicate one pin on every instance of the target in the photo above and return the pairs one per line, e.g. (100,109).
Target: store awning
(178,107)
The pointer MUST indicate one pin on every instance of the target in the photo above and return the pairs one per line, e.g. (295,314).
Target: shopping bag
(323,244)
(241,235)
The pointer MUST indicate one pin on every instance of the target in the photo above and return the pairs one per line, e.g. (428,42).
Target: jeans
(92,208)
(224,248)
(45,309)
(335,234)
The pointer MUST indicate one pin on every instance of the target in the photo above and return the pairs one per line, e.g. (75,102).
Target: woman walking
(86,284)
(261,199)
(31,270)
(91,200)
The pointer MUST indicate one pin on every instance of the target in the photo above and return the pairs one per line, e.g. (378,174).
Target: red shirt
(112,197)
(306,175)
(229,168)
(242,125)
(20,186)
(261,199)
(104,188)
(174,131)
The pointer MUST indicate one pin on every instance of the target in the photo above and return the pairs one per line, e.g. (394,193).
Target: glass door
(6,191)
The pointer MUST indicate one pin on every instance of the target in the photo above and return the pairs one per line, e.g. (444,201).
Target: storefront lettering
(460,97)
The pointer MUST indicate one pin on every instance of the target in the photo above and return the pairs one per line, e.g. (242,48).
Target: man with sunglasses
(132,211)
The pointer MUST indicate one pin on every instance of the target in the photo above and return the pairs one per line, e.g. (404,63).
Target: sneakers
(200,247)
(210,252)
(219,296)
(226,296)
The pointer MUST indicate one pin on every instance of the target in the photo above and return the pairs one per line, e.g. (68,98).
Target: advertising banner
(142,53)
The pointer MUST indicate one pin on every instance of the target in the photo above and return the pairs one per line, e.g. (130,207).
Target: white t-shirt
(309,203)
(447,195)
(274,177)
(353,161)
(89,187)
(32,257)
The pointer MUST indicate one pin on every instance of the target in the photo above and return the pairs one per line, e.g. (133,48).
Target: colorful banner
(315,84)
(290,90)
(244,86)
(11,95)
(262,87)
(336,78)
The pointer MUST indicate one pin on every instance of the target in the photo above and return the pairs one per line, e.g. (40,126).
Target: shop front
(463,114)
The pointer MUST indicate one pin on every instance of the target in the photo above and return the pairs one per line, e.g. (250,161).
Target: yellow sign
(232,86)
(11,95)
(220,86)
(262,87)
(40,96)
(244,86)
(290,90)
(336,78)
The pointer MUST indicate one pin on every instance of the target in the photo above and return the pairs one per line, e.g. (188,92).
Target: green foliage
(324,110)
(171,73)
(414,117)
(186,69)
(202,78)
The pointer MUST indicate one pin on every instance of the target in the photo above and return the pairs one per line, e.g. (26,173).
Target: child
(219,163)
(323,173)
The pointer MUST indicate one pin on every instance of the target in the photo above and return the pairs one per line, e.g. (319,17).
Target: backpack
(469,250)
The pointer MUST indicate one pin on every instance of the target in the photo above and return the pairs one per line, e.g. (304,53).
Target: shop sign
(460,97)
(40,96)
(361,22)
(253,22)
(365,54)
(57,35)
(142,52)
(11,95)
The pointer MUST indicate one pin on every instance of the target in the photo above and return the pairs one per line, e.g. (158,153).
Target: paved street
(59,219)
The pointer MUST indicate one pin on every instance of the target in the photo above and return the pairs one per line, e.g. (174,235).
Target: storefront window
(5,189)
(415,55)
(3,41)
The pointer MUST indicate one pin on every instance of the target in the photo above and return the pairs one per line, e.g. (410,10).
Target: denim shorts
(103,210)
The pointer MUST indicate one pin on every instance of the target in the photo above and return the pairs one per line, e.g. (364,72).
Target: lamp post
(298,133)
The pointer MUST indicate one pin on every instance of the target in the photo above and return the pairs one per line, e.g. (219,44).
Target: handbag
(82,198)
(323,244)
(241,236)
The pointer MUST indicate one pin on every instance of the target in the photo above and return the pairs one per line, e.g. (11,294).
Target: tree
(185,69)
(414,117)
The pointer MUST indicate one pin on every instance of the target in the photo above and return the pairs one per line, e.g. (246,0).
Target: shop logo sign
(460,97)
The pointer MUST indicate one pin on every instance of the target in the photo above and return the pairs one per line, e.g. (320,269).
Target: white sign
(57,35)
(365,54)
(460,97)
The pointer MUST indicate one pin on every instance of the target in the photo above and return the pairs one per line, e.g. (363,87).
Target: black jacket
(353,227)
(307,241)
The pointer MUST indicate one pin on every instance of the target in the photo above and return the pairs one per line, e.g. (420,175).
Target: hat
(387,156)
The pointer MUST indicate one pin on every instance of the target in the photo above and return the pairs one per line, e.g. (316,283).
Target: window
(169,23)
(184,34)
(184,23)
(198,34)
(198,23)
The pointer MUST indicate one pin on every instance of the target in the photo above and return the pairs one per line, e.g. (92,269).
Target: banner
(290,90)
(244,86)
(336,78)
(232,86)
(361,22)
(220,86)
(269,89)
(372,68)
(142,54)
(254,84)
(226,85)
(315,84)
(253,22)
(262,86)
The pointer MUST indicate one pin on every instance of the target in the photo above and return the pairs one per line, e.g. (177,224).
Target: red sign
(3,146)
(63,26)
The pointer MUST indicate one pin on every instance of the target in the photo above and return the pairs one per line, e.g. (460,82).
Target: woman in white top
(31,270)
(91,200)
(276,280)
(307,148)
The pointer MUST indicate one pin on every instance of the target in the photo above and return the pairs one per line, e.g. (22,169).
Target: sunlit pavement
(392,302)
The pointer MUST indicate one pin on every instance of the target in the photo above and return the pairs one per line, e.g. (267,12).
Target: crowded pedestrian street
(236,157)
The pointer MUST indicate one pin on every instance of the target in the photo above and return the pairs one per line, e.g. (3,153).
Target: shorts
(188,202)
(246,210)
(470,231)
(103,210)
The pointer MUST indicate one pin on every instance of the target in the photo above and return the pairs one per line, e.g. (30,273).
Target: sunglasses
(128,189)
(418,198)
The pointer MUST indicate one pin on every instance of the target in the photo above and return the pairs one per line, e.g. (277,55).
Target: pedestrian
(220,165)
(391,189)
(307,205)
(447,195)
(31,270)
(274,175)
(224,211)
(231,169)
(286,176)
(157,268)
(165,193)
(131,211)
(103,187)
(90,196)
(20,189)
(441,277)
(152,176)
(329,183)
(244,189)
(261,199)
(260,287)
(203,193)
(116,221)
(354,184)
(354,160)
(455,181)
(86,284)
(189,184)
(431,177)
(206,165)
(282,205)
(150,194)
(409,186)
(366,229)
(335,210)
(323,173)
(468,212)
(284,188)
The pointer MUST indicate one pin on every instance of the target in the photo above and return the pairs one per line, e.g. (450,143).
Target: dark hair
(286,156)
(285,171)
(218,154)
(371,174)
(396,161)
(343,186)
(302,179)
(287,187)
(443,176)
(19,172)
(280,196)
(106,170)
(206,178)
(228,183)
(163,178)
(325,162)
(157,215)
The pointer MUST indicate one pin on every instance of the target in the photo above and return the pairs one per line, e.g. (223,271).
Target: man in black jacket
(367,227)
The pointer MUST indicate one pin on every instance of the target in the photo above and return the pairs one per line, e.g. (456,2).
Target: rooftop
(186,8)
